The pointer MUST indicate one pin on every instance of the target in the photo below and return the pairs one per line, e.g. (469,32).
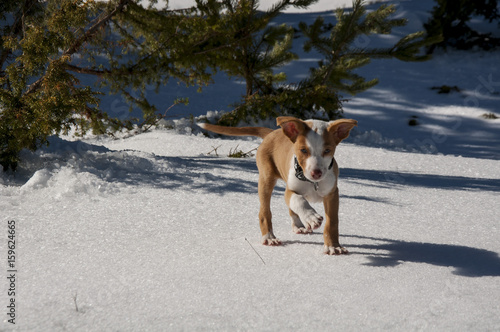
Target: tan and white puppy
(302,154)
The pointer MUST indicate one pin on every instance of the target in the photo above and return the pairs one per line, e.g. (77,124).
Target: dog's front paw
(312,221)
(335,250)
(270,240)
(301,230)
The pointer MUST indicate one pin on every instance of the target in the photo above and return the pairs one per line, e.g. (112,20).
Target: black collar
(299,172)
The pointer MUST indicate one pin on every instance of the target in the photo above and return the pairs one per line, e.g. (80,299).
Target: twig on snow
(255,251)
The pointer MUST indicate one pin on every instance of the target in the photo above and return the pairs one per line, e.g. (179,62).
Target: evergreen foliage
(45,45)
(322,90)
(37,94)
(450,19)
(262,49)
(48,46)
(339,51)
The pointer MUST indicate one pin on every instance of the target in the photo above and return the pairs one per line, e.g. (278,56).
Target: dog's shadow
(467,261)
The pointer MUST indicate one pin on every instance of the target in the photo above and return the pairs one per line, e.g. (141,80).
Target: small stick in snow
(74,300)
(214,150)
(255,251)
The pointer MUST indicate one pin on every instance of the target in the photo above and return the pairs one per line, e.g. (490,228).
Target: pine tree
(47,46)
(37,94)
(450,19)
(261,50)
(263,47)
(321,92)
(341,56)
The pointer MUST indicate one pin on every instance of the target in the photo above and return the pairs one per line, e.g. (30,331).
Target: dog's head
(315,142)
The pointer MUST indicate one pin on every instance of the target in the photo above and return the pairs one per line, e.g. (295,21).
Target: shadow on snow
(206,173)
(393,179)
(134,168)
(467,261)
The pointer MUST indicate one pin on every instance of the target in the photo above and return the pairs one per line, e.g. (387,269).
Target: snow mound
(66,182)
(39,180)
(75,168)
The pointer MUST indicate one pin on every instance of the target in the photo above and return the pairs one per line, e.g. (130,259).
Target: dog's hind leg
(266,186)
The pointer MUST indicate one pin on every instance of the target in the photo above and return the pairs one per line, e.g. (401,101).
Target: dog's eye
(327,151)
(303,151)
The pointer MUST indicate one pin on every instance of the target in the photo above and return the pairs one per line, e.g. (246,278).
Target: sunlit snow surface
(157,231)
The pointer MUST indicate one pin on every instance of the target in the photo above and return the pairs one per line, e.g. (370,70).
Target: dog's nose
(316,174)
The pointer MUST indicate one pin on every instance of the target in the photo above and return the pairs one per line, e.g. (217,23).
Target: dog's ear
(292,127)
(341,128)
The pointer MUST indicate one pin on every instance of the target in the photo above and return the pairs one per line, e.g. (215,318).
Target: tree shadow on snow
(392,179)
(135,168)
(204,173)
(390,106)
(467,261)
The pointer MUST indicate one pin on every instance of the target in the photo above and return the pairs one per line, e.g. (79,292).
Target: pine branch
(302,3)
(93,29)
(345,29)
(15,29)
(79,42)
(339,56)
(89,71)
(313,32)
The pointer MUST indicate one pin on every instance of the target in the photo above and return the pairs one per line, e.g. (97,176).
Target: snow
(319,6)
(159,231)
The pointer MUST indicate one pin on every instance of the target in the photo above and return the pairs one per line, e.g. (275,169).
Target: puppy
(302,154)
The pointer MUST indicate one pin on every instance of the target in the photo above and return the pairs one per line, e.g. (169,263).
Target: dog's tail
(237,131)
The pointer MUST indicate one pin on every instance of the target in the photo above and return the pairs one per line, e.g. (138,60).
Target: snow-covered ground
(159,231)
